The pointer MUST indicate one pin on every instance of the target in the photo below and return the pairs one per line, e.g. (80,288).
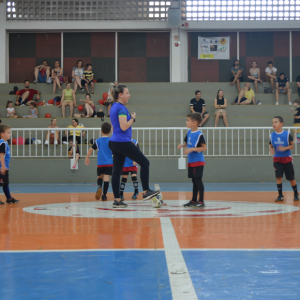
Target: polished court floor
(59,243)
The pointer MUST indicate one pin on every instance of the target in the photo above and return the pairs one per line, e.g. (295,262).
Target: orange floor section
(20,230)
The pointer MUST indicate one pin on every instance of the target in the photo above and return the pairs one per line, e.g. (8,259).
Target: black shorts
(104,170)
(195,172)
(241,79)
(83,82)
(287,169)
(4,179)
(127,173)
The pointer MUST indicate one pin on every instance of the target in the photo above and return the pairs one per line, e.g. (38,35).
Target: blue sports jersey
(6,154)
(280,139)
(119,135)
(128,162)
(104,157)
(192,142)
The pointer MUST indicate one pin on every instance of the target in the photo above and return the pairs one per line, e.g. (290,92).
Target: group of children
(11,113)
(281,143)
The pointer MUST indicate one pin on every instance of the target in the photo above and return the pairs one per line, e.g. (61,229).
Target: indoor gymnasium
(149,150)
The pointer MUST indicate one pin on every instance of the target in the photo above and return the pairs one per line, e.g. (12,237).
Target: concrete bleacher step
(149,88)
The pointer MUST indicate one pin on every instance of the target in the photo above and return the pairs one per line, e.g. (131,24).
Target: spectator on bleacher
(57,76)
(89,108)
(52,135)
(68,98)
(255,75)
(25,96)
(10,111)
(246,96)
(87,78)
(77,75)
(78,135)
(237,74)
(271,75)
(110,100)
(42,72)
(198,105)
(115,83)
(220,106)
(33,113)
(283,87)
(298,84)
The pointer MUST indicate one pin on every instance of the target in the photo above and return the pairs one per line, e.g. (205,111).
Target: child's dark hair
(235,61)
(280,119)
(195,117)
(197,92)
(106,128)
(3,128)
(87,65)
(282,73)
(33,104)
(297,101)
(119,89)
(270,63)
(8,102)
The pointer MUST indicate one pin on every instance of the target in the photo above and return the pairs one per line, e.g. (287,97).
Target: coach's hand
(3,170)
(133,115)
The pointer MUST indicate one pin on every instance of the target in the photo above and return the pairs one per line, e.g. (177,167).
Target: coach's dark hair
(26,80)
(197,92)
(119,89)
(106,128)
(270,62)
(297,101)
(3,128)
(195,117)
(280,119)
(282,73)
(76,120)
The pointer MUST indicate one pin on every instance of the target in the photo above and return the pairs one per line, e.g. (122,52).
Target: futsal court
(60,243)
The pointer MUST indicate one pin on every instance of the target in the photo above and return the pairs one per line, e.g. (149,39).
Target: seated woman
(57,76)
(109,101)
(255,75)
(89,108)
(68,99)
(77,75)
(52,135)
(237,74)
(220,106)
(78,133)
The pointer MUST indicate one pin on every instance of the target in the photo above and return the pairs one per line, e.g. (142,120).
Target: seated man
(25,96)
(283,87)
(198,105)
(42,72)
(246,96)
(271,74)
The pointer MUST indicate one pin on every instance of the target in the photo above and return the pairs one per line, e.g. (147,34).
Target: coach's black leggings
(120,152)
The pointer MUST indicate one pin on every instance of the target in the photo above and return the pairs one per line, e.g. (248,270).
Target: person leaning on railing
(78,134)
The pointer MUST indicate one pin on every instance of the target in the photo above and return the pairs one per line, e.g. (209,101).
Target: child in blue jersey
(195,144)
(104,161)
(281,143)
(5,135)
(130,166)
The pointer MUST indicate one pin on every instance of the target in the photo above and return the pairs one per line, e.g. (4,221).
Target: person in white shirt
(271,75)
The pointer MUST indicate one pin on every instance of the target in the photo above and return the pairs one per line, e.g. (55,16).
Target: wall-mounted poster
(214,47)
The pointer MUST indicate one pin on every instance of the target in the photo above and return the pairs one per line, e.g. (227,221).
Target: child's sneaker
(190,204)
(149,194)
(134,197)
(104,198)
(279,198)
(1,203)
(98,193)
(119,204)
(12,201)
(122,198)
(296,197)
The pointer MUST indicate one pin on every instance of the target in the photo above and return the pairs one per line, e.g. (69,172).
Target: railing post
(181,141)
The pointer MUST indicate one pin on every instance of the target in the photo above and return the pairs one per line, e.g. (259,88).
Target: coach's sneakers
(296,197)
(1,203)
(190,204)
(12,201)
(199,204)
(119,204)
(279,198)
(150,194)
(98,193)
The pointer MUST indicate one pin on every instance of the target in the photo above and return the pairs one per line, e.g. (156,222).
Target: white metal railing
(153,142)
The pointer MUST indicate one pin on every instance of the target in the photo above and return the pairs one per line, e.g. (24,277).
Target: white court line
(79,250)
(181,284)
